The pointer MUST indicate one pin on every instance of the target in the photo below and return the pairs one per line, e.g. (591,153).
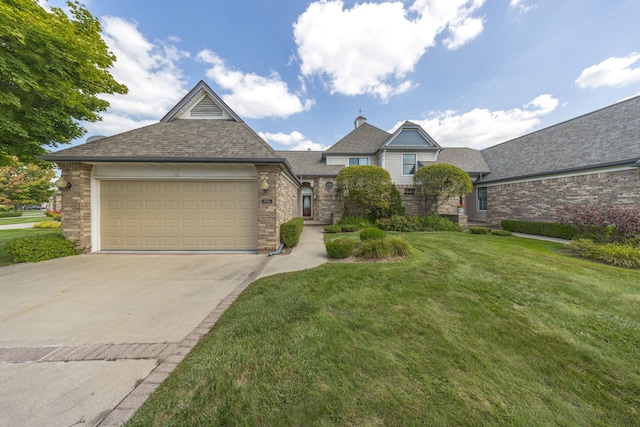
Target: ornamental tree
(440,183)
(52,69)
(367,192)
(24,184)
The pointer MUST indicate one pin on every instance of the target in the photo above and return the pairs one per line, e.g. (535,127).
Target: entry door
(306,205)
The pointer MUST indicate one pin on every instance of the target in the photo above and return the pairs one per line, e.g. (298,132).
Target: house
(202,180)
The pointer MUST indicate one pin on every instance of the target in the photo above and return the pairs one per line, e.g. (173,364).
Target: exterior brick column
(76,204)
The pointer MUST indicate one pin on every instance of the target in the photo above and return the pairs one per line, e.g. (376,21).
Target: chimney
(360,121)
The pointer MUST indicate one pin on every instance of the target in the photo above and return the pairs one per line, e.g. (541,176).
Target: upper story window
(358,161)
(408,164)
(482,198)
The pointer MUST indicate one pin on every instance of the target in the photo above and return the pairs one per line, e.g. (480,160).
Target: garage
(179,215)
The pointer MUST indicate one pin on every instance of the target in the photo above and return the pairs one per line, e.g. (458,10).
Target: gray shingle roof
(306,163)
(365,139)
(604,137)
(467,159)
(181,139)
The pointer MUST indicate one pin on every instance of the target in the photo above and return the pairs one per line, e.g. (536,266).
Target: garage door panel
(162,215)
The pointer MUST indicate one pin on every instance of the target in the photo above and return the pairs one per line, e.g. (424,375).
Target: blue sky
(473,73)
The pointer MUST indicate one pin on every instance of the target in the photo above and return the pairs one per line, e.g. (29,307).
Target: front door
(306,205)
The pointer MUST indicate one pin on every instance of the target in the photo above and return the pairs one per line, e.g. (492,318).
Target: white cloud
(611,72)
(517,4)
(370,48)
(481,128)
(292,141)
(253,96)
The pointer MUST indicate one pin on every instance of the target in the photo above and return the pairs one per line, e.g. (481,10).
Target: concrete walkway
(16,226)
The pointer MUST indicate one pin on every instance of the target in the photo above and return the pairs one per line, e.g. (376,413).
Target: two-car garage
(186,213)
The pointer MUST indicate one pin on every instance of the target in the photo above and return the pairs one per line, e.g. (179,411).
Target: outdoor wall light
(264,185)
(62,184)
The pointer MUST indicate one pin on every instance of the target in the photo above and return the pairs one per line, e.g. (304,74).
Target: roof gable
(411,135)
(201,103)
(365,139)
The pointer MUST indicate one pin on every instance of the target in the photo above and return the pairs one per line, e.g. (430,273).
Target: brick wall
(76,204)
(326,208)
(538,200)
(413,203)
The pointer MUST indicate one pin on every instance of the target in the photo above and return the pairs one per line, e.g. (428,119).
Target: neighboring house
(202,180)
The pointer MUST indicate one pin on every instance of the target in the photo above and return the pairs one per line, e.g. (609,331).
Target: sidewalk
(309,253)
(16,226)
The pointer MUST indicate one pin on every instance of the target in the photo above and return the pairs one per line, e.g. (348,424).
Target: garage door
(178,215)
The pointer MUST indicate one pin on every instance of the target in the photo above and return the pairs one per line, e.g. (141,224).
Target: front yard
(470,330)
(6,235)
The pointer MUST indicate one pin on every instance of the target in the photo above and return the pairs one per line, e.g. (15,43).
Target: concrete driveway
(80,334)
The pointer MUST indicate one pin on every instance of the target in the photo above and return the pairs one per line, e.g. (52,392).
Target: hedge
(10,214)
(290,231)
(40,248)
(339,248)
(539,228)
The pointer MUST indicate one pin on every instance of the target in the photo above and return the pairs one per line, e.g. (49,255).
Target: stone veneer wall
(76,205)
(326,206)
(413,204)
(538,200)
(283,195)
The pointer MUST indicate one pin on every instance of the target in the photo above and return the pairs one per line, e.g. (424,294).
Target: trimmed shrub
(290,231)
(398,247)
(332,229)
(354,220)
(602,223)
(372,234)
(374,249)
(54,214)
(40,248)
(339,248)
(10,214)
(349,228)
(501,233)
(47,224)
(539,228)
(399,223)
(439,223)
(479,230)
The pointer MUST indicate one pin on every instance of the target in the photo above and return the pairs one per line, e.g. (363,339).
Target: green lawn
(27,217)
(470,331)
(6,235)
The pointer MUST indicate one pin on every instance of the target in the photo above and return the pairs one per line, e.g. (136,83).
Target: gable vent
(206,108)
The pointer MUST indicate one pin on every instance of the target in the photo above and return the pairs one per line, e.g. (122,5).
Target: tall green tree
(368,192)
(26,184)
(52,69)
(440,183)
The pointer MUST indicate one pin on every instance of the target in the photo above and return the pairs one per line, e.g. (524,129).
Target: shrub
(621,255)
(40,248)
(10,214)
(501,232)
(368,192)
(479,230)
(56,215)
(400,223)
(374,249)
(47,224)
(398,247)
(354,220)
(439,223)
(349,228)
(290,231)
(372,234)
(5,208)
(339,248)
(332,229)
(602,223)
(539,228)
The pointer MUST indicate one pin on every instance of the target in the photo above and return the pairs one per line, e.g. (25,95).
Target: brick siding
(76,205)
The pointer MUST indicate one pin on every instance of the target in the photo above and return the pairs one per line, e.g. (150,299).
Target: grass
(27,217)
(471,330)
(6,235)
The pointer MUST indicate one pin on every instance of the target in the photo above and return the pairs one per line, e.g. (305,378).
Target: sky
(472,73)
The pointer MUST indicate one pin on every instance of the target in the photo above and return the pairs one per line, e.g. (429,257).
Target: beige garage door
(178,215)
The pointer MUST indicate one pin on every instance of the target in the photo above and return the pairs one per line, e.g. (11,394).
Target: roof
(467,159)
(365,139)
(180,139)
(410,136)
(309,163)
(606,137)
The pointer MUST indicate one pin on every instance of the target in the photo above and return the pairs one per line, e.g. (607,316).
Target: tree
(52,69)
(24,184)
(439,183)
(367,192)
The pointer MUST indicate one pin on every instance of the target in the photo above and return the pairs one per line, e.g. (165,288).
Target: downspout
(278,251)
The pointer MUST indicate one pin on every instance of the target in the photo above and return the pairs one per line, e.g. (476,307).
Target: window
(408,164)
(409,191)
(482,198)
(355,161)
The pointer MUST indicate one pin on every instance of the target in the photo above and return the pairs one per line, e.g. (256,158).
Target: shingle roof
(181,139)
(365,139)
(467,159)
(604,137)
(309,163)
